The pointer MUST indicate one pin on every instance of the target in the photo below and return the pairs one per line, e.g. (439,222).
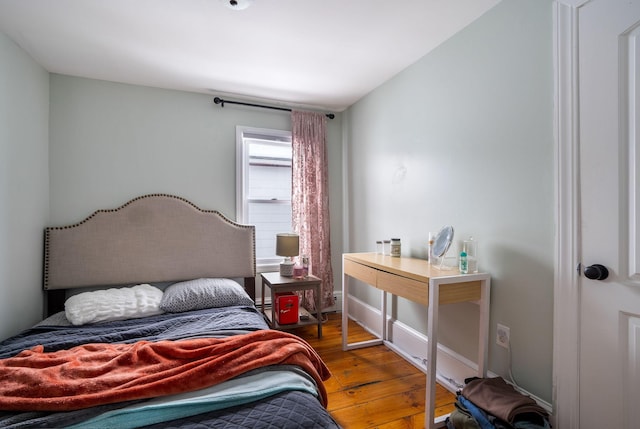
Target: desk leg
(383,309)
(432,352)
(345,308)
(483,346)
(345,319)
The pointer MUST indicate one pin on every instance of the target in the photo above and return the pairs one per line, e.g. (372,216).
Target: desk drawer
(417,291)
(360,272)
(402,286)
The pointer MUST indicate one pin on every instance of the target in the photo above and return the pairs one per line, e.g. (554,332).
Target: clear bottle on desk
(470,247)
(387,247)
(379,247)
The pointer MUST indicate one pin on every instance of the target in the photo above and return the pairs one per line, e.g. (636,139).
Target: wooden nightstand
(278,284)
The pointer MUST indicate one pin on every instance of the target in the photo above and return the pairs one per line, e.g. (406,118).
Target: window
(264,187)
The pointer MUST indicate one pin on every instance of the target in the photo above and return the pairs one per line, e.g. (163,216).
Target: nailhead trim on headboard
(48,230)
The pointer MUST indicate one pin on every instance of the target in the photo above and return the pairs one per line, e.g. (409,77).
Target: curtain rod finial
(219,101)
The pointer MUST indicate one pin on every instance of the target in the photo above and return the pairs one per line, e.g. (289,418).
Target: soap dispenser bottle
(464,265)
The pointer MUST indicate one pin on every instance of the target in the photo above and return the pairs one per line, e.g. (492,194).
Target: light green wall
(464,137)
(113,142)
(24,194)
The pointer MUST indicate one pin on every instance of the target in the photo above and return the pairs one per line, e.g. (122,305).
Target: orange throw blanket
(94,374)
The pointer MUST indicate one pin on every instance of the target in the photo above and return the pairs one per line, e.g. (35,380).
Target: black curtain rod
(221,102)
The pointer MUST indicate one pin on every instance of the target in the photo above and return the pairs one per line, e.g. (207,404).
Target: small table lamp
(287,245)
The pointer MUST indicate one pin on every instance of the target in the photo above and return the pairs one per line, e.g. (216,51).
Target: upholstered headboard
(151,239)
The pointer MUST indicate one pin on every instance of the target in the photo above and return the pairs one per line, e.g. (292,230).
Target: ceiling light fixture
(237,4)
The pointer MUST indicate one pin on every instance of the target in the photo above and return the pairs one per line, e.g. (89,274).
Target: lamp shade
(287,244)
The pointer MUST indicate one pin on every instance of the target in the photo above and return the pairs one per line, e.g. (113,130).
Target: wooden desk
(418,281)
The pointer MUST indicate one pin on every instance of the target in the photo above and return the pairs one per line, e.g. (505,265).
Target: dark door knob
(596,272)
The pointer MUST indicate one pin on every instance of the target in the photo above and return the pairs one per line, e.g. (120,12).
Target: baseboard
(453,368)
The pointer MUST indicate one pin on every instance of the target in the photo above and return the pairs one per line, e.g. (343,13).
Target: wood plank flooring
(371,387)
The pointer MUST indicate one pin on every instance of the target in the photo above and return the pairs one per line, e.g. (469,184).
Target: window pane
(270,150)
(268,182)
(264,187)
(269,219)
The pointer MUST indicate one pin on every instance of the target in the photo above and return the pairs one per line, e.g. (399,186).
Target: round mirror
(442,241)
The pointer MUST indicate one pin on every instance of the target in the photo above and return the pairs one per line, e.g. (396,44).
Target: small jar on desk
(396,247)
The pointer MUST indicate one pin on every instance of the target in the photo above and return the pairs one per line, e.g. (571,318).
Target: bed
(151,322)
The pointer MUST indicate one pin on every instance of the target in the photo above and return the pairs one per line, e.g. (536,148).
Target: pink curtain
(310,199)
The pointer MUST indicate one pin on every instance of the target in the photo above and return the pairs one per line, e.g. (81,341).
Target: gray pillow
(203,293)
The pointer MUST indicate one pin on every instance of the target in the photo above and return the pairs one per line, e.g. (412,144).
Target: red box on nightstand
(286,308)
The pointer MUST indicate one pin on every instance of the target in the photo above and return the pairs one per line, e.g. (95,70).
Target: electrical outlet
(502,336)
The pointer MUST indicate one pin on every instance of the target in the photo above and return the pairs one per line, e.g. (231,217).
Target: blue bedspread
(258,385)
(215,322)
(287,408)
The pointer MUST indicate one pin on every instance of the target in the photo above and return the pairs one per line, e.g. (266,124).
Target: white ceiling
(323,54)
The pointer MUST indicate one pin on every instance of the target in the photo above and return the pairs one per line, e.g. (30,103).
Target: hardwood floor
(371,387)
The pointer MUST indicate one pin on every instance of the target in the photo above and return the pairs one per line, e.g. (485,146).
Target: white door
(608,214)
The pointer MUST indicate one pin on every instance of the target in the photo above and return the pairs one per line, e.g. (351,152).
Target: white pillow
(113,304)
